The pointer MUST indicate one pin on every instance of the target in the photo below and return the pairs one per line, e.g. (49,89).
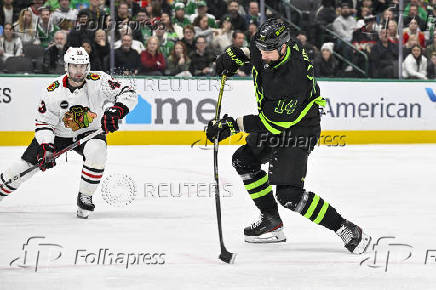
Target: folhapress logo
(37,252)
(431,94)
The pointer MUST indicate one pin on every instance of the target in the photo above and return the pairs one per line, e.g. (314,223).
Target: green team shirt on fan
(75,4)
(183,23)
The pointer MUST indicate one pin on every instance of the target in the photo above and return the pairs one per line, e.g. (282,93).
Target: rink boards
(174,111)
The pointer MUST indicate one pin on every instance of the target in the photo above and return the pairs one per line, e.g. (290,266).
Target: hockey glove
(109,121)
(230,60)
(225,127)
(45,156)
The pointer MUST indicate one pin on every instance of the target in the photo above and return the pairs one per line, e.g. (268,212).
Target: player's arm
(123,95)
(46,119)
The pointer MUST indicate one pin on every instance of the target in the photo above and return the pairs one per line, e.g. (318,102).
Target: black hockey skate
(268,229)
(355,240)
(85,205)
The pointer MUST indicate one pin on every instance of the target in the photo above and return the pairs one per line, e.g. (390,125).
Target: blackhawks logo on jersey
(93,76)
(78,117)
(53,86)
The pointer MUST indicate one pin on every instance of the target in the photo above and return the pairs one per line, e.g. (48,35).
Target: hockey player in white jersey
(70,108)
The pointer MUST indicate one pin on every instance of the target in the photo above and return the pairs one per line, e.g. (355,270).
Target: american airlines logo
(431,94)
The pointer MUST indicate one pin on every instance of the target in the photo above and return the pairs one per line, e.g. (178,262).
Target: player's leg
(94,156)
(28,159)
(247,161)
(288,170)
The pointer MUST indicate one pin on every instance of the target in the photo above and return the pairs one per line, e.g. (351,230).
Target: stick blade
(228,257)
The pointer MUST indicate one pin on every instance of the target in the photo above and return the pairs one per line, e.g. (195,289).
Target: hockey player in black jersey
(283,133)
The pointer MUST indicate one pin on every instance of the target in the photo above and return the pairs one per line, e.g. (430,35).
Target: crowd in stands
(183,37)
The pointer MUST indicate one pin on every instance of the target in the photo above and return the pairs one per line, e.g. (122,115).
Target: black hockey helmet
(272,34)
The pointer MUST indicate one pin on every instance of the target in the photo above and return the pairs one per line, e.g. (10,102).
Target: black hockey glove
(230,60)
(109,121)
(45,156)
(226,127)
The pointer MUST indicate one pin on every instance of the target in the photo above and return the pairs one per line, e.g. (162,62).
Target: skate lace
(346,234)
(86,198)
(257,223)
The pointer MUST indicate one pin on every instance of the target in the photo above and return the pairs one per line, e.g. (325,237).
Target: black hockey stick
(225,255)
(55,155)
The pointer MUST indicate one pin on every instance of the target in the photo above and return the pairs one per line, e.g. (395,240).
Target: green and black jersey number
(287,107)
(5,95)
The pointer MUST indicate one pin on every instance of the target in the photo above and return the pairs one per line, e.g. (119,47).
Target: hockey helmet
(76,55)
(272,34)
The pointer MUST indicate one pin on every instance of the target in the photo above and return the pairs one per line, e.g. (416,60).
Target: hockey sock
(316,209)
(260,191)
(12,171)
(90,179)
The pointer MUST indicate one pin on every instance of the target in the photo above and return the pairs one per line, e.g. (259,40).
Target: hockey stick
(55,155)
(225,255)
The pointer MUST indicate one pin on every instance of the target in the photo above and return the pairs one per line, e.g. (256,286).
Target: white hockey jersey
(68,114)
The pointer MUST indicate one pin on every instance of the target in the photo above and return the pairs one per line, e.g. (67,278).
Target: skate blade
(363,245)
(276,236)
(83,213)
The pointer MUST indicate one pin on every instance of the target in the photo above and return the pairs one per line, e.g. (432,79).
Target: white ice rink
(388,190)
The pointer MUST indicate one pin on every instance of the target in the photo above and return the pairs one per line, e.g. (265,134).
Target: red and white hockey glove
(109,121)
(45,156)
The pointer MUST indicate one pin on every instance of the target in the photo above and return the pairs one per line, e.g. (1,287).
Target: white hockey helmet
(76,55)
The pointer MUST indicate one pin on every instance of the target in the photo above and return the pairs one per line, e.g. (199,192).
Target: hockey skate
(355,240)
(268,229)
(84,205)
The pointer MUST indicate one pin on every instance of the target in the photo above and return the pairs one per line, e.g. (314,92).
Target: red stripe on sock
(5,190)
(92,175)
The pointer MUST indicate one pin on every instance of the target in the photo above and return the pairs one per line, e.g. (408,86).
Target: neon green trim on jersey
(267,125)
(285,59)
(321,213)
(257,183)
(312,207)
(261,193)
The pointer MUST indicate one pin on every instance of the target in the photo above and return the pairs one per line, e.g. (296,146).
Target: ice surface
(388,190)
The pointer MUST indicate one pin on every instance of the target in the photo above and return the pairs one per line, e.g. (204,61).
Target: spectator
(101,48)
(383,59)
(136,45)
(201,59)
(238,40)
(8,12)
(253,13)
(415,64)
(64,17)
(413,30)
(46,28)
(430,26)
(179,16)
(53,61)
(431,48)
(217,8)
(133,7)
(345,24)
(393,32)
(365,5)
(364,39)
(94,59)
(96,15)
(238,22)
(81,31)
(224,37)
(413,15)
(421,12)
(127,59)
(311,50)
(325,65)
(153,61)
(201,28)
(202,11)
(25,28)
(431,68)
(172,31)
(166,43)
(252,28)
(122,12)
(34,8)
(143,32)
(10,45)
(178,61)
(188,38)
